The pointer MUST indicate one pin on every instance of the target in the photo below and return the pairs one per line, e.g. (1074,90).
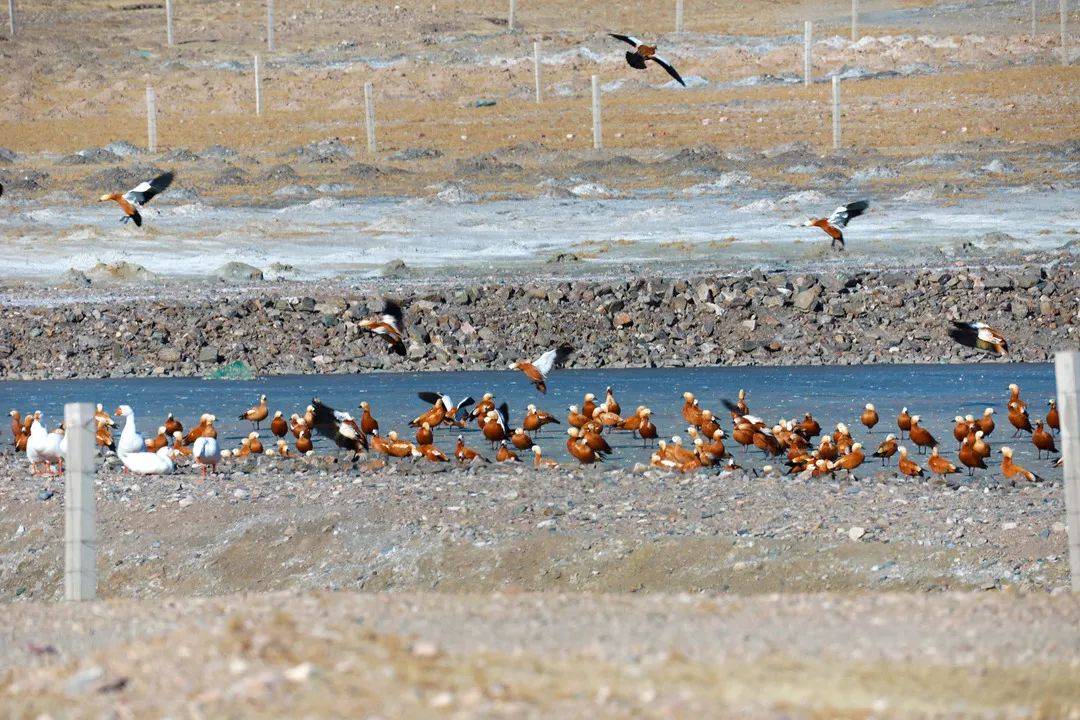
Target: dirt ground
(549,655)
(973,81)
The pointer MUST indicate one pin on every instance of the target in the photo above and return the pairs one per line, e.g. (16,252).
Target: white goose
(206,451)
(130,439)
(43,447)
(150,463)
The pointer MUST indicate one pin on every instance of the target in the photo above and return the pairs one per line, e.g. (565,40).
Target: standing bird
(368,423)
(636,58)
(1042,440)
(206,451)
(939,465)
(986,422)
(903,421)
(979,335)
(278,426)
(138,197)
(257,413)
(834,224)
(538,370)
(908,466)
(886,449)
(389,325)
(920,435)
(172,425)
(869,417)
(130,439)
(1053,420)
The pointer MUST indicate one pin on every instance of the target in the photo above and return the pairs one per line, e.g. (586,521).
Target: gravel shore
(492,591)
(271,524)
(842,316)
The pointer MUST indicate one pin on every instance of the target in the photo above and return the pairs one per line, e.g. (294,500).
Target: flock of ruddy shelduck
(794,446)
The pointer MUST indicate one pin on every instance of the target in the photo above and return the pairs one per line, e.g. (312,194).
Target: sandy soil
(549,655)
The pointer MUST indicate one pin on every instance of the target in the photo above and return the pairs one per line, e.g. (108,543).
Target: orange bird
(1042,440)
(138,197)
(1011,470)
(869,417)
(834,224)
(278,426)
(908,466)
(537,371)
(1053,420)
(389,325)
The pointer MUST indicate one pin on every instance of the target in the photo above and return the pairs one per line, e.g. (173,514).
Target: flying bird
(979,335)
(538,370)
(138,197)
(636,58)
(834,224)
(388,325)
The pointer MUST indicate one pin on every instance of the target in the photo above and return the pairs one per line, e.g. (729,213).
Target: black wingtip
(730,405)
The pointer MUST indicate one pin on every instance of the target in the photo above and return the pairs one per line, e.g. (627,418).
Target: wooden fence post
(854,20)
(258,87)
(168,22)
(11,17)
(597,139)
(80,517)
(836,112)
(151,119)
(510,19)
(808,32)
(678,16)
(269,26)
(1067,370)
(536,69)
(369,115)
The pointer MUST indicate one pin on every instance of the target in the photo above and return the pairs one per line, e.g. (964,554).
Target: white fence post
(854,20)
(258,86)
(597,139)
(168,22)
(678,16)
(369,115)
(11,17)
(1067,370)
(808,32)
(269,26)
(1034,16)
(80,517)
(536,69)
(151,119)
(836,112)
(510,19)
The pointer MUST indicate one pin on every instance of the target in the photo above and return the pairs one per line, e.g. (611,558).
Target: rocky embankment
(760,318)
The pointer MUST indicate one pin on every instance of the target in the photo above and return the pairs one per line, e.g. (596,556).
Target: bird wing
(551,358)
(504,416)
(431,397)
(667,66)
(141,193)
(626,39)
(463,408)
(391,315)
(843,214)
(976,335)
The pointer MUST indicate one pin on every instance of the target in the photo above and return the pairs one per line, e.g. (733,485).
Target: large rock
(807,300)
(238,272)
(122,271)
